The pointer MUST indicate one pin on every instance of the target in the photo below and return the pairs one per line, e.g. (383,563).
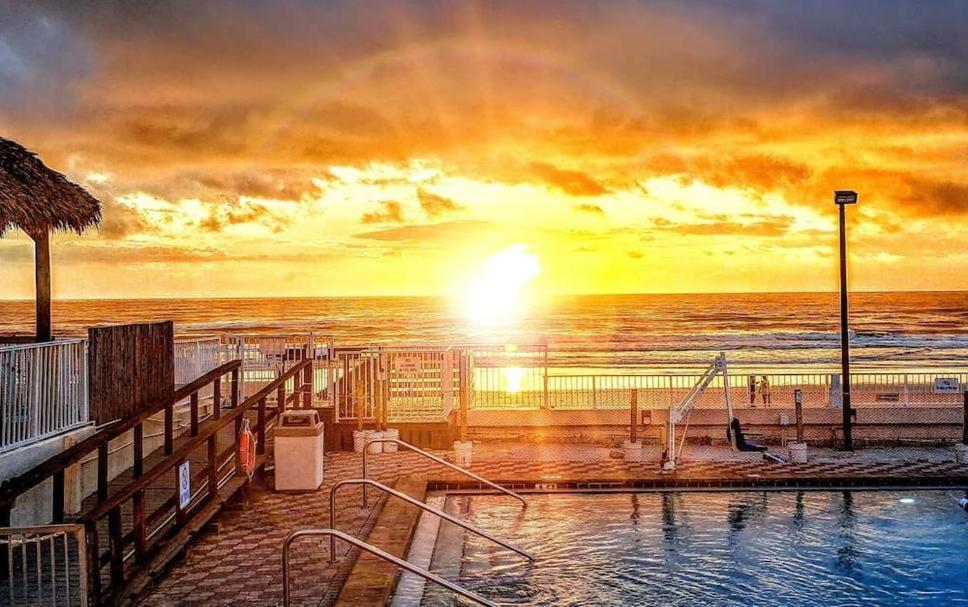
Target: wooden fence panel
(129,367)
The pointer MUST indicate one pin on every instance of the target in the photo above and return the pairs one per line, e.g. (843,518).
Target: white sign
(946,385)
(184,485)
(406,364)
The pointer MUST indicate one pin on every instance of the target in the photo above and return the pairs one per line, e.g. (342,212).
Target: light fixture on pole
(841,199)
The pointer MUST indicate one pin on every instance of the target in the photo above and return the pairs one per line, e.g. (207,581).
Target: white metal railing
(195,357)
(43,390)
(818,390)
(44,566)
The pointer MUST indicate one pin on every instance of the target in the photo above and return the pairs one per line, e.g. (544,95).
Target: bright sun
(496,293)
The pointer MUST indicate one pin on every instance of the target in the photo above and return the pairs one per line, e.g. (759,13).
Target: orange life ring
(247,449)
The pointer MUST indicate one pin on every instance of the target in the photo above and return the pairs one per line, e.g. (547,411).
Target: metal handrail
(439,460)
(333,533)
(414,502)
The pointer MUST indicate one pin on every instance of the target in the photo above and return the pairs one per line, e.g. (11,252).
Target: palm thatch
(38,199)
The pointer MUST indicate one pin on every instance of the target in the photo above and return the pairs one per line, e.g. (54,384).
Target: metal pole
(413,502)
(798,403)
(440,461)
(286,594)
(964,426)
(844,336)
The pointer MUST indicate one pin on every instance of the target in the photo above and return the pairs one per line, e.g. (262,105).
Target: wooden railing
(55,466)
(140,513)
(153,532)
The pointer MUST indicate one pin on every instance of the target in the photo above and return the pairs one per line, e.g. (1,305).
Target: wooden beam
(42,285)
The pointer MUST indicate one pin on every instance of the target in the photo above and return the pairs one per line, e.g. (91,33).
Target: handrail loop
(439,460)
(414,502)
(467,594)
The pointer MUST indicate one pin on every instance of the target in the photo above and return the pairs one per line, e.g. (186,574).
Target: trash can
(299,451)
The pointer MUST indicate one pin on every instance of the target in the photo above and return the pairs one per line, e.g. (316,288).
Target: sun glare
(496,294)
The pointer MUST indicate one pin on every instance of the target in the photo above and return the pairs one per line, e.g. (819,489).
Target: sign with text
(406,364)
(184,485)
(946,385)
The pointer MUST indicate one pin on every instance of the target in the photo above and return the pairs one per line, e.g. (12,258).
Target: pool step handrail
(439,460)
(414,502)
(386,556)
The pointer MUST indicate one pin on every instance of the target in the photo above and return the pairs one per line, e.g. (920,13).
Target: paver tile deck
(238,560)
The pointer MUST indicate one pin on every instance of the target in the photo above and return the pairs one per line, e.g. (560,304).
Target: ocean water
(786,549)
(656,332)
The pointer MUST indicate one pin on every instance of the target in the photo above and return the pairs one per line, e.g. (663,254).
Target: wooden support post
(4,556)
(281,399)
(308,386)
(217,398)
(260,443)
(169,429)
(116,543)
(138,525)
(102,472)
(193,405)
(42,284)
(634,414)
(234,399)
(138,465)
(964,426)
(798,403)
(235,445)
(57,496)
(138,500)
(93,572)
(213,465)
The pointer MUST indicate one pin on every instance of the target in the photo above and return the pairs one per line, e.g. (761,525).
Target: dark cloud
(221,216)
(454,231)
(935,197)
(434,204)
(593,209)
(722,226)
(575,183)
(118,221)
(390,212)
(759,172)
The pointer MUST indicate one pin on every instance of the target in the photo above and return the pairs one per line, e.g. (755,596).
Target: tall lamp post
(842,198)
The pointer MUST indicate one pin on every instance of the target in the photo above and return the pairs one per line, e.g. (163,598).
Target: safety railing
(43,390)
(386,556)
(44,565)
(439,460)
(196,356)
(192,494)
(414,502)
(56,466)
(818,390)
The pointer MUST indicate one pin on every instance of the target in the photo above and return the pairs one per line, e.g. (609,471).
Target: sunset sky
(344,148)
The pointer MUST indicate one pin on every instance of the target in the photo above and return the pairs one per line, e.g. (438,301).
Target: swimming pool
(701,548)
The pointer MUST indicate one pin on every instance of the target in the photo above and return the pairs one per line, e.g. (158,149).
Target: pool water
(698,548)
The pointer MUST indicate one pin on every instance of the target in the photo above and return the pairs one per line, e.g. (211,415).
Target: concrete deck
(238,560)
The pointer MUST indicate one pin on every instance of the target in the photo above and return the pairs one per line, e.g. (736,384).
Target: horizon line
(445,296)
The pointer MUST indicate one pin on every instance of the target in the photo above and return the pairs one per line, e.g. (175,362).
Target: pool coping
(678,484)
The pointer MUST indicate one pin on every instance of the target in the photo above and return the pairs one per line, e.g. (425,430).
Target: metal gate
(265,357)
(395,384)
(509,377)
(421,385)
(43,566)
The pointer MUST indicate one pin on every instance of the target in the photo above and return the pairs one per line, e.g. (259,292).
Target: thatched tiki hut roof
(39,200)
